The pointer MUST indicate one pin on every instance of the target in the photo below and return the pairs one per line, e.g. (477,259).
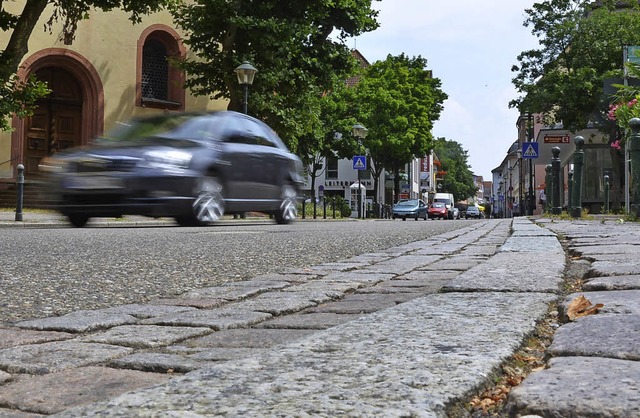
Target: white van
(447,199)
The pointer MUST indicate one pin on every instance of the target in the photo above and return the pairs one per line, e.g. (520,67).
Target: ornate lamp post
(245,72)
(521,210)
(360,132)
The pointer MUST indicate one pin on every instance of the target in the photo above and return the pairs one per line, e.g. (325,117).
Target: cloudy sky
(470,45)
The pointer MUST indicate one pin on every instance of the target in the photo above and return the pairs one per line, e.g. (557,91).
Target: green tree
(288,42)
(581,47)
(20,98)
(458,179)
(398,100)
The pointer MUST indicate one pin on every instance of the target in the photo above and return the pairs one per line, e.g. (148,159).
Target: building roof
(352,81)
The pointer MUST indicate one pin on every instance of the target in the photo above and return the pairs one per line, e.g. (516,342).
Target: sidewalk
(415,330)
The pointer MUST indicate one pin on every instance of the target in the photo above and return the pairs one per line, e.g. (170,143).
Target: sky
(471,46)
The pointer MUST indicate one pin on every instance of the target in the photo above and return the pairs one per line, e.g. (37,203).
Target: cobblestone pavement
(410,330)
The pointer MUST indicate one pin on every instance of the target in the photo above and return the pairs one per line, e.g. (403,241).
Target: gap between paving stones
(349,277)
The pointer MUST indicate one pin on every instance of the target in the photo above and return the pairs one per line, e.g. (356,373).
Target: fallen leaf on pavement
(581,306)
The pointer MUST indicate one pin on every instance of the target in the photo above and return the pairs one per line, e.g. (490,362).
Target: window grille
(155,70)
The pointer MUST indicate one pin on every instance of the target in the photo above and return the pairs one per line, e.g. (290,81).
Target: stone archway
(72,115)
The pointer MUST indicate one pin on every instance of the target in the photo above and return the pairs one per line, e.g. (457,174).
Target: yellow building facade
(113,71)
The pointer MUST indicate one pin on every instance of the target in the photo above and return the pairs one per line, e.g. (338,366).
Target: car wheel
(416,218)
(78,221)
(208,203)
(288,211)
(404,218)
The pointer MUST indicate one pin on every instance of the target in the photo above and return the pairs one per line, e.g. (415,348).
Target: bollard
(634,162)
(570,186)
(304,203)
(547,188)
(333,206)
(578,161)
(324,208)
(20,192)
(606,193)
(556,207)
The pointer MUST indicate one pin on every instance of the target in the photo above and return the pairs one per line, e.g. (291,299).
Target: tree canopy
(398,100)
(581,45)
(19,98)
(297,46)
(458,177)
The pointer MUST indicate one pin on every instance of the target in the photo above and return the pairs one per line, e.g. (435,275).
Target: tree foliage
(288,42)
(398,101)
(454,160)
(19,98)
(580,47)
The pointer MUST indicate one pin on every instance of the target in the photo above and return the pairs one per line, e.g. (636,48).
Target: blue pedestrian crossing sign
(529,150)
(359,162)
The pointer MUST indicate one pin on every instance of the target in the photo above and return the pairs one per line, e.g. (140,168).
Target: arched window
(155,71)
(159,84)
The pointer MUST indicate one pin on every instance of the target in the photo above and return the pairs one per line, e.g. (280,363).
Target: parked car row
(418,209)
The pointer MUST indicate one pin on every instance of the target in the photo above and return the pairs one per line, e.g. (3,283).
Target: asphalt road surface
(54,271)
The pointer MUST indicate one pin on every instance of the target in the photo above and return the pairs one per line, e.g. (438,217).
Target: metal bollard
(324,208)
(606,193)
(634,162)
(548,187)
(304,204)
(556,207)
(570,186)
(578,162)
(20,192)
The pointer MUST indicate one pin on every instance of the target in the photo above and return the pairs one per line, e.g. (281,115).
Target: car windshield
(170,130)
(472,209)
(437,205)
(407,203)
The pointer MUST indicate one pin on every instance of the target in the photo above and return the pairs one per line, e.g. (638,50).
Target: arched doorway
(57,122)
(74,112)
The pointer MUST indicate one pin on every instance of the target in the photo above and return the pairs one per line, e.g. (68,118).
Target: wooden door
(56,123)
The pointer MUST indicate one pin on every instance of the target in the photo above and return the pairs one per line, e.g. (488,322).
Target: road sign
(359,162)
(529,150)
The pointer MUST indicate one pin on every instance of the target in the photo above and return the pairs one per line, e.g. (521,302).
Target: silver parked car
(192,167)
(410,208)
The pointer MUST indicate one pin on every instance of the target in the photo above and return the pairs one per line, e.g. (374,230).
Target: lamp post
(501,198)
(531,196)
(520,183)
(245,72)
(360,132)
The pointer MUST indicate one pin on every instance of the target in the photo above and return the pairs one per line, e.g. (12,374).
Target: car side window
(258,134)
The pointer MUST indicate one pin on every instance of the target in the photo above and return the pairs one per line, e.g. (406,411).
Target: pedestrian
(543,200)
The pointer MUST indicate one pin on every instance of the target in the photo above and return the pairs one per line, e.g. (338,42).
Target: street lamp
(360,132)
(531,198)
(520,183)
(245,72)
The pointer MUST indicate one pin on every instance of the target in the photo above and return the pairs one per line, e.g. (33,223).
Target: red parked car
(438,210)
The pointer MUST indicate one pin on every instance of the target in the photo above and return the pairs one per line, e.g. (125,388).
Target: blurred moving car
(410,208)
(193,167)
(438,210)
(472,212)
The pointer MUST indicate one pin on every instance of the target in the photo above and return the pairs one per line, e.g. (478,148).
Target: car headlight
(166,160)
(53,165)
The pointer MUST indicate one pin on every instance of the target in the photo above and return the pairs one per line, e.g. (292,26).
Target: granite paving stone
(158,363)
(249,338)
(361,303)
(402,264)
(616,266)
(497,274)
(145,311)
(56,356)
(217,354)
(200,303)
(630,282)
(56,392)
(279,303)
(216,319)
(4,377)
(237,290)
(79,321)
(456,264)
(579,387)
(306,320)
(145,336)
(614,301)
(615,336)
(10,337)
